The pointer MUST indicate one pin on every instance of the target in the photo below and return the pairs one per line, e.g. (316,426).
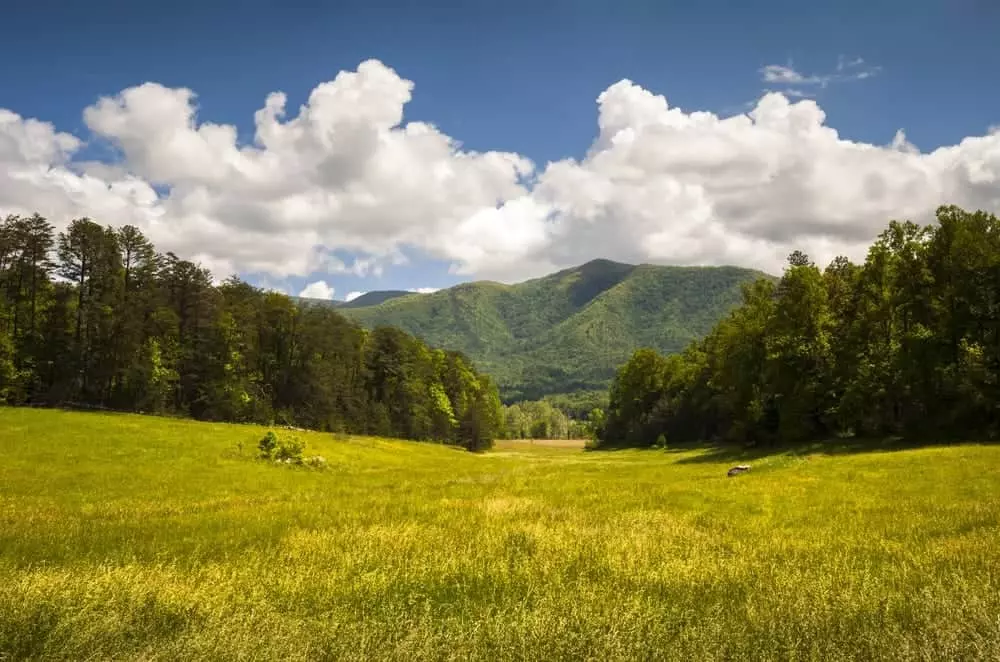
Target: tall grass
(128,537)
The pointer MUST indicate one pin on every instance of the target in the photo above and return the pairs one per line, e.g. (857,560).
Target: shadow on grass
(732,453)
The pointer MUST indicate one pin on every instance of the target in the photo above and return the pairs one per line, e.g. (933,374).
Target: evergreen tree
(130,329)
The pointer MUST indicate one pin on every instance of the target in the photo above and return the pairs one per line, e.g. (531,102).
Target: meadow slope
(129,537)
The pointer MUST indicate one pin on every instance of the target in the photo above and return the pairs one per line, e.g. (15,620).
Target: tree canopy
(907,343)
(95,317)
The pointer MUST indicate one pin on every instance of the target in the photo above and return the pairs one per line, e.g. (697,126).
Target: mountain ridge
(374,298)
(570,330)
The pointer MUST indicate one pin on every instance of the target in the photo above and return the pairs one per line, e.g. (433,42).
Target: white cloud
(846,70)
(777,73)
(667,186)
(351,296)
(360,267)
(345,175)
(317,290)
(36,175)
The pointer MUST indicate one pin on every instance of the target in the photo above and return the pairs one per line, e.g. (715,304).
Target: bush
(287,449)
(267,445)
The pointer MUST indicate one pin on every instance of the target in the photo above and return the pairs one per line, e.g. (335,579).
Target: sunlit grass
(134,537)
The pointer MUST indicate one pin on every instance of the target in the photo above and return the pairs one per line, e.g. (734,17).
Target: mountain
(366,299)
(373,298)
(569,331)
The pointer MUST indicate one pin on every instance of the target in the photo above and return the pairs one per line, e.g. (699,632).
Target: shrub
(267,445)
(286,449)
(289,450)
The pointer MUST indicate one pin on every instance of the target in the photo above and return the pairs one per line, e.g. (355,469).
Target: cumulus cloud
(667,186)
(360,267)
(351,296)
(317,290)
(345,173)
(347,176)
(36,174)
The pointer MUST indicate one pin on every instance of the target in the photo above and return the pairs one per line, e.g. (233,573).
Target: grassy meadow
(129,537)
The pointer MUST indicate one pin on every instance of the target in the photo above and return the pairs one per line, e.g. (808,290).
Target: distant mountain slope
(366,299)
(570,330)
(373,298)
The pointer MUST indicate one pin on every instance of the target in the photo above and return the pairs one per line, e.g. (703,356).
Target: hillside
(570,330)
(373,298)
(366,299)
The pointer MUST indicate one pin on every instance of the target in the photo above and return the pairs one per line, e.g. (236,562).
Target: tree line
(96,317)
(907,343)
(541,419)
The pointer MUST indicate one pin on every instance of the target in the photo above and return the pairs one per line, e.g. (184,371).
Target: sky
(332,148)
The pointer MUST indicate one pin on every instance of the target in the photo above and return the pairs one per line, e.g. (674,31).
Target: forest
(542,419)
(95,317)
(905,344)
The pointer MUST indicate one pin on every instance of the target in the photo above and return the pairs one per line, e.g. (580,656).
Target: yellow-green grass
(128,537)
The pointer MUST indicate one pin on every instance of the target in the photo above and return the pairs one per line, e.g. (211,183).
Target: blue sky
(518,77)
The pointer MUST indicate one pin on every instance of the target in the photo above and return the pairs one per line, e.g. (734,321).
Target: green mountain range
(363,301)
(566,332)
(372,299)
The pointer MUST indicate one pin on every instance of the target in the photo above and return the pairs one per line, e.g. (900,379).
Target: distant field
(550,443)
(124,537)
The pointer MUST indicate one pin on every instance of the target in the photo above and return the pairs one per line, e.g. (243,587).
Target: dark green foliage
(133,330)
(579,404)
(569,331)
(906,344)
(267,445)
